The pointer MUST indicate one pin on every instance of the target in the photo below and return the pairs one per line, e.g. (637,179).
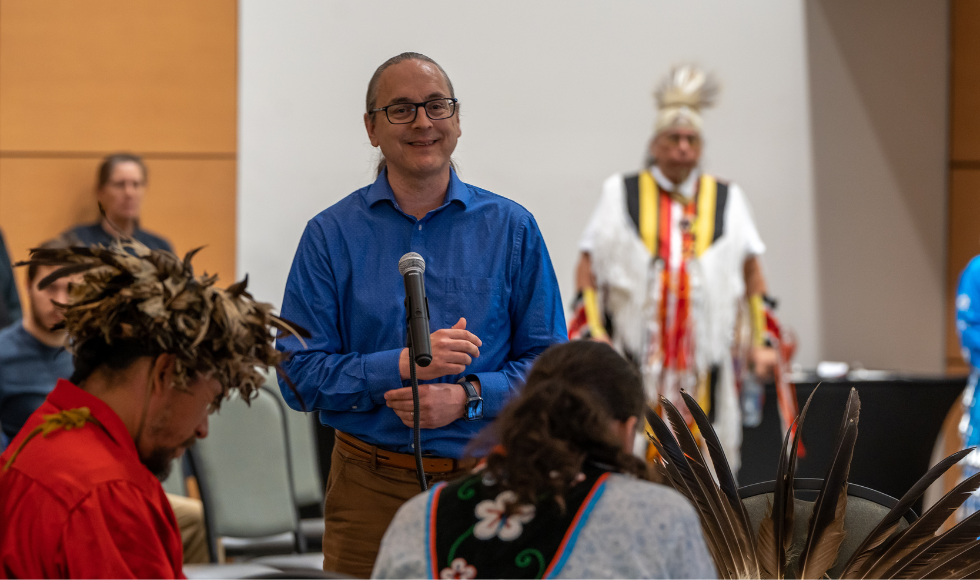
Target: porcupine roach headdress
(892,549)
(151,299)
(682,95)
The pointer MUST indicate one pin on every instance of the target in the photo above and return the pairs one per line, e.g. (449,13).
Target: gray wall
(787,120)
(878,93)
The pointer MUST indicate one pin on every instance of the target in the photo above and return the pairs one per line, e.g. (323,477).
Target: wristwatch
(473,410)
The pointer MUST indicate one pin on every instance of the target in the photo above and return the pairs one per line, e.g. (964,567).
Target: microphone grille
(411,262)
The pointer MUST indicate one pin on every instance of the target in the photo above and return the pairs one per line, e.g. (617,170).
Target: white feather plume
(687,86)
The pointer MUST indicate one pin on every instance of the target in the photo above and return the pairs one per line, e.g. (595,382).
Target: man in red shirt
(155,351)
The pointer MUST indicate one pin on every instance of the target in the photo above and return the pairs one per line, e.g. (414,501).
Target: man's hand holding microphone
(453,349)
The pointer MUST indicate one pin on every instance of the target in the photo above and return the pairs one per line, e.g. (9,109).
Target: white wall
(305,66)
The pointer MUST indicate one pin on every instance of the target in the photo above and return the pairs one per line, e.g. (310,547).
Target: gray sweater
(637,530)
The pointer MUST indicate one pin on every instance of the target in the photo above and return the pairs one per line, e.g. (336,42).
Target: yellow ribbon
(596,327)
(68,419)
(757,318)
(648,212)
(704,223)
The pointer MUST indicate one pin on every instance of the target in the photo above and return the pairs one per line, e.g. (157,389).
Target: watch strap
(474,402)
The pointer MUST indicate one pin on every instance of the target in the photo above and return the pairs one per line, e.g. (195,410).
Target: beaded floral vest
(470,535)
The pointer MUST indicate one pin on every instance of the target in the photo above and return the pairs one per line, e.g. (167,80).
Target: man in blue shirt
(493,301)
(32,356)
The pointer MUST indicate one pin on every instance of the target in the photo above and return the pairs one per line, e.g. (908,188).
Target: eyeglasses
(403,113)
(675,139)
(121,184)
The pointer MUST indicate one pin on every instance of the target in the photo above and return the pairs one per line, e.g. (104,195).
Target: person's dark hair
(110,162)
(134,301)
(562,419)
(95,353)
(372,90)
(55,244)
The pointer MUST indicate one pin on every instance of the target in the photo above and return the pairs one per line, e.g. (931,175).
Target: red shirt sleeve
(119,532)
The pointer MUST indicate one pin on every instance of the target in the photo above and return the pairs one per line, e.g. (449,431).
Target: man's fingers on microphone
(468,337)
(463,346)
(404,393)
(402,406)
(460,334)
(457,358)
(453,369)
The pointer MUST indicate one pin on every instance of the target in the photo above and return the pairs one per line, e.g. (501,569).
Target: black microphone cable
(416,434)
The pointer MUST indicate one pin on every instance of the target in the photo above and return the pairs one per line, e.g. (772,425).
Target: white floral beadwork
(458,568)
(494,522)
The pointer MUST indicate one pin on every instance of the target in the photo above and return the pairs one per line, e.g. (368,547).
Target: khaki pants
(190,520)
(361,500)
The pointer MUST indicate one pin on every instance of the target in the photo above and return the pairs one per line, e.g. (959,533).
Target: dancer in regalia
(668,258)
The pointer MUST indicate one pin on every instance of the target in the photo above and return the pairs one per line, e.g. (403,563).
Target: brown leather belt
(400,460)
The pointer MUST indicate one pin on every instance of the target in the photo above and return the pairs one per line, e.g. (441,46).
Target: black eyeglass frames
(436,109)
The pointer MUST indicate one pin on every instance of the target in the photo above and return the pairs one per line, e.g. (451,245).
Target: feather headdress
(892,549)
(682,95)
(150,300)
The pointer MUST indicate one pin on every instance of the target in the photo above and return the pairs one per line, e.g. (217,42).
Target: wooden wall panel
(79,80)
(189,202)
(965,81)
(964,244)
(963,218)
(192,203)
(104,75)
(40,198)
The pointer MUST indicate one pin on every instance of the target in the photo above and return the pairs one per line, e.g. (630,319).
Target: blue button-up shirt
(29,370)
(485,261)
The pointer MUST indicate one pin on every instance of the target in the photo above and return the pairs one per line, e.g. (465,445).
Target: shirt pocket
(481,302)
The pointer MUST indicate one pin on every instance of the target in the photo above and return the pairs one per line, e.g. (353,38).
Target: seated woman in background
(120,187)
(561,495)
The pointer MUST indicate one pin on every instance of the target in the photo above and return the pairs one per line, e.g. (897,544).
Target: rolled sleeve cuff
(495,391)
(381,373)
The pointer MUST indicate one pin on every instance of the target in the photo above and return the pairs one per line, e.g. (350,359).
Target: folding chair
(244,472)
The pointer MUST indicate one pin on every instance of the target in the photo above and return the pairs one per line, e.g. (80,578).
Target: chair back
(305,461)
(865,508)
(174,484)
(244,472)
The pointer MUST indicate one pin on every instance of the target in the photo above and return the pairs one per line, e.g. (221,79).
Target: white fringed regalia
(669,266)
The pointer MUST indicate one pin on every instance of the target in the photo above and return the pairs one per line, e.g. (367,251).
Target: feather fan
(826,529)
(917,551)
(692,488)
(885,529)
(727,487)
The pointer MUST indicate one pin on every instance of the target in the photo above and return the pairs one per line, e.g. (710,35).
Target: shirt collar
(380,190)
(688,188)
(68,396)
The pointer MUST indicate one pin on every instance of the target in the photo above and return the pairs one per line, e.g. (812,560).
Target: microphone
(412,267)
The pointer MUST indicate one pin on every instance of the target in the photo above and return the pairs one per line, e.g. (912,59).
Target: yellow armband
(596,328)
(757,317)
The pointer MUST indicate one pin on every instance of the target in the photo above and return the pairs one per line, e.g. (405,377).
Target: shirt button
(354,407)
(420,226)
